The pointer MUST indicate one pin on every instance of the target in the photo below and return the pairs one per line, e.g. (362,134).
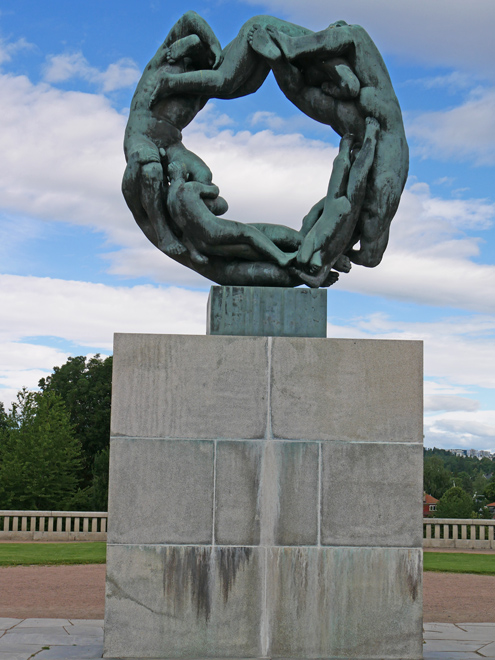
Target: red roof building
(429,505)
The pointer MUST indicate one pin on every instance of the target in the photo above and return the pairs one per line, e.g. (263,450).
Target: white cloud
(471,429)
(123,73)
(457,350)
(9,49)
(465,132)
(450,33)
(62,160)
(62,156)
(86,314)
(450,403)
(23,364)
(452,82)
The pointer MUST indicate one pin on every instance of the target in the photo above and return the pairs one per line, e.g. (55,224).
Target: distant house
(430,505)
(491,509)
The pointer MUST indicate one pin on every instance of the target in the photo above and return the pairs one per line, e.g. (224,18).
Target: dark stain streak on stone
(231,560)
(186,571)
(412,568)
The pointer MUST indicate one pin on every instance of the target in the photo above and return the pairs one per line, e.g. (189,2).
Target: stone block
(346,389)
(297,479)
(267,311)
(161,491)
(345,603)
(183,602)
(189,386)
(238,473)
(372,494)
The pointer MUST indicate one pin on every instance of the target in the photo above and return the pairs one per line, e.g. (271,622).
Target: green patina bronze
(336,77)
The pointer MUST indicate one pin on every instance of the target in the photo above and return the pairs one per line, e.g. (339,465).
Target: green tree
(3,417)
(85,384)
(39,456)
(463,480)
(455,503)
(489,491)
(437,479)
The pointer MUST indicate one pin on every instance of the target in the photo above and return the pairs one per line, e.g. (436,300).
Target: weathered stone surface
(161,491)
(189,387)
(371,494)
(216,547)
(297,478)
(346,389)
(238,473)
(183,602)
(345,603)
(267,311)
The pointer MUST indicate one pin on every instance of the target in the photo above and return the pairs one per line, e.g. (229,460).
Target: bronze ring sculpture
(337,77)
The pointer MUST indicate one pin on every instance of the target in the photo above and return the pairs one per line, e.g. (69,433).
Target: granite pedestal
(265,498)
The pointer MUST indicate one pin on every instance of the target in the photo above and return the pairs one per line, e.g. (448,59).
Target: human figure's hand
(217,54)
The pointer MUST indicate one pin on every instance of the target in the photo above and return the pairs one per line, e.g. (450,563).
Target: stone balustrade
(53,526)
(460,533)
(92,526)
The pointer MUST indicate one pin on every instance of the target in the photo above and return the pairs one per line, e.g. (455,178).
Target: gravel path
(78,592)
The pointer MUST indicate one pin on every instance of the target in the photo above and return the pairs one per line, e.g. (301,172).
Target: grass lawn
(459,562)
(27,554)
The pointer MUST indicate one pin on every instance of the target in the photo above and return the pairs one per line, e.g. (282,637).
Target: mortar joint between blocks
(269,433)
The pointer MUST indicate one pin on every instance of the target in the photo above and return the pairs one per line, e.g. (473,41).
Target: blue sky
(74,267)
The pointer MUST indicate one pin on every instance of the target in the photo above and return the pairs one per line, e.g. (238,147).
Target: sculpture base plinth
(267,311)
(265,498)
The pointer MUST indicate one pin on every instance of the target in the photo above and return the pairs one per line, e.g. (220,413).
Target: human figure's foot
(182,47)
(343,264)
(331,278)
(172,248)
(281,40)
(315,263)
(261,43)
(372,128)
(196,257)
(287,258)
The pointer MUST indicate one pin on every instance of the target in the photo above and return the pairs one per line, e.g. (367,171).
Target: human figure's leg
(327,42)
(240,64)
(152,195)
(358,175)
(371,250)
(285,238)
(328,223)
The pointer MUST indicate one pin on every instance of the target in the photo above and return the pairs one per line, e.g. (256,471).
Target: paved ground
(82,639)
(78,592)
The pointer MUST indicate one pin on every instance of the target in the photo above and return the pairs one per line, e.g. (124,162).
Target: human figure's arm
(311,218)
